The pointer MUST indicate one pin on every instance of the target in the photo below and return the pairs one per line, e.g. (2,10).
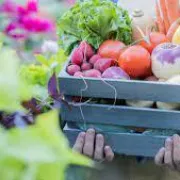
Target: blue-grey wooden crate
(126,143)
(126,89)
(130,144)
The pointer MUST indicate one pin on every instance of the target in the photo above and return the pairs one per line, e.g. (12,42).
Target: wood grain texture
(139,90)
(122,116)
(124,143)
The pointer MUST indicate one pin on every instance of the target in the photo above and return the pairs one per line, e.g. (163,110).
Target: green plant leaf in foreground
(38,152)
(12,89)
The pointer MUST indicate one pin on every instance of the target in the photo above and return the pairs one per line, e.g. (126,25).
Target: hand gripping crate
(122,143)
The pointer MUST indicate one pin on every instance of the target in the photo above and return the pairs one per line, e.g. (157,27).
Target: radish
(94,73)
(86,66)
(72,69)
(115,73)
(86,49)
(94,59)
(78,74)
(77,57)
(102,64)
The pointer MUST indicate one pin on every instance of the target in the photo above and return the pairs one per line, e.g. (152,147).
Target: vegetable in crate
(94,21)
(142,104)
(115,73)
(170,106)
(166,60)
(111,49)
(136,61)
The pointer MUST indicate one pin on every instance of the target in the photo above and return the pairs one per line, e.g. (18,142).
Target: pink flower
(32,5)
(37,24)
(22,11)
(15,31)
(8,6)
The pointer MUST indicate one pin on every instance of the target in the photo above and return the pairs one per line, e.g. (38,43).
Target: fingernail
(82,134)
(91,131)
(99,136)
(107,147)
(176,136)
(168,140)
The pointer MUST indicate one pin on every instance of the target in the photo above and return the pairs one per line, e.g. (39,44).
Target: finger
(109,154)
(176,151)
(159,158)
(168,157)
(78,146)
(88,149)
(99,147)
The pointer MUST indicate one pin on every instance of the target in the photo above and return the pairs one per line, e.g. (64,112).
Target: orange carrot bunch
(167,14)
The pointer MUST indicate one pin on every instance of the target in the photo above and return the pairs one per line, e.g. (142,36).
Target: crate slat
(124,143)
(122,116)
(139,90)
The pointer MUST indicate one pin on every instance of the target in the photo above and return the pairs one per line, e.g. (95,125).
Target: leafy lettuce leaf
(94,21)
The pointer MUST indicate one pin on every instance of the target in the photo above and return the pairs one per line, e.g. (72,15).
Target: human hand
(170,154)
(93,146)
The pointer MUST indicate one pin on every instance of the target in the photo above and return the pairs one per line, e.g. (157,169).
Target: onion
(166,60)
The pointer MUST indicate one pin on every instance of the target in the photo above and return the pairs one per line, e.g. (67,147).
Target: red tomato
(111,49)
(155,38)
(136,61)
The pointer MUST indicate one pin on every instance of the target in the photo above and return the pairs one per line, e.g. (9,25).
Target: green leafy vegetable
(94,21)
(37,152)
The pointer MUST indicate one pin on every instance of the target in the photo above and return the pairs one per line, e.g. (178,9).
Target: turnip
(86,49)
(72,69)
(142,104)
(86,66)
(166,60)
(94,59)
(103,64)
(94,73)
(77,56)
(115,73)
(78,74)
(170,106)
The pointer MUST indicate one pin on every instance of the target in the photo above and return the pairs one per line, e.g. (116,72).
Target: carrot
(173,29)
(159,20)
(172,10)
(164,14)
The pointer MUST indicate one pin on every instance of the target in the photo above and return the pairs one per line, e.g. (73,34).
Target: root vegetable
(86,66)
(77,57)
(72,69)
(94,58)
(102,64)
(86,49)
(115,73)
(94,73)
(78,74)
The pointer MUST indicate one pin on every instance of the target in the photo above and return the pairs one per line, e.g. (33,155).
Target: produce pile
(110,43)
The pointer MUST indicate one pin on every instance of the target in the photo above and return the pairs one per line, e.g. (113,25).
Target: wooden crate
(122,143)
